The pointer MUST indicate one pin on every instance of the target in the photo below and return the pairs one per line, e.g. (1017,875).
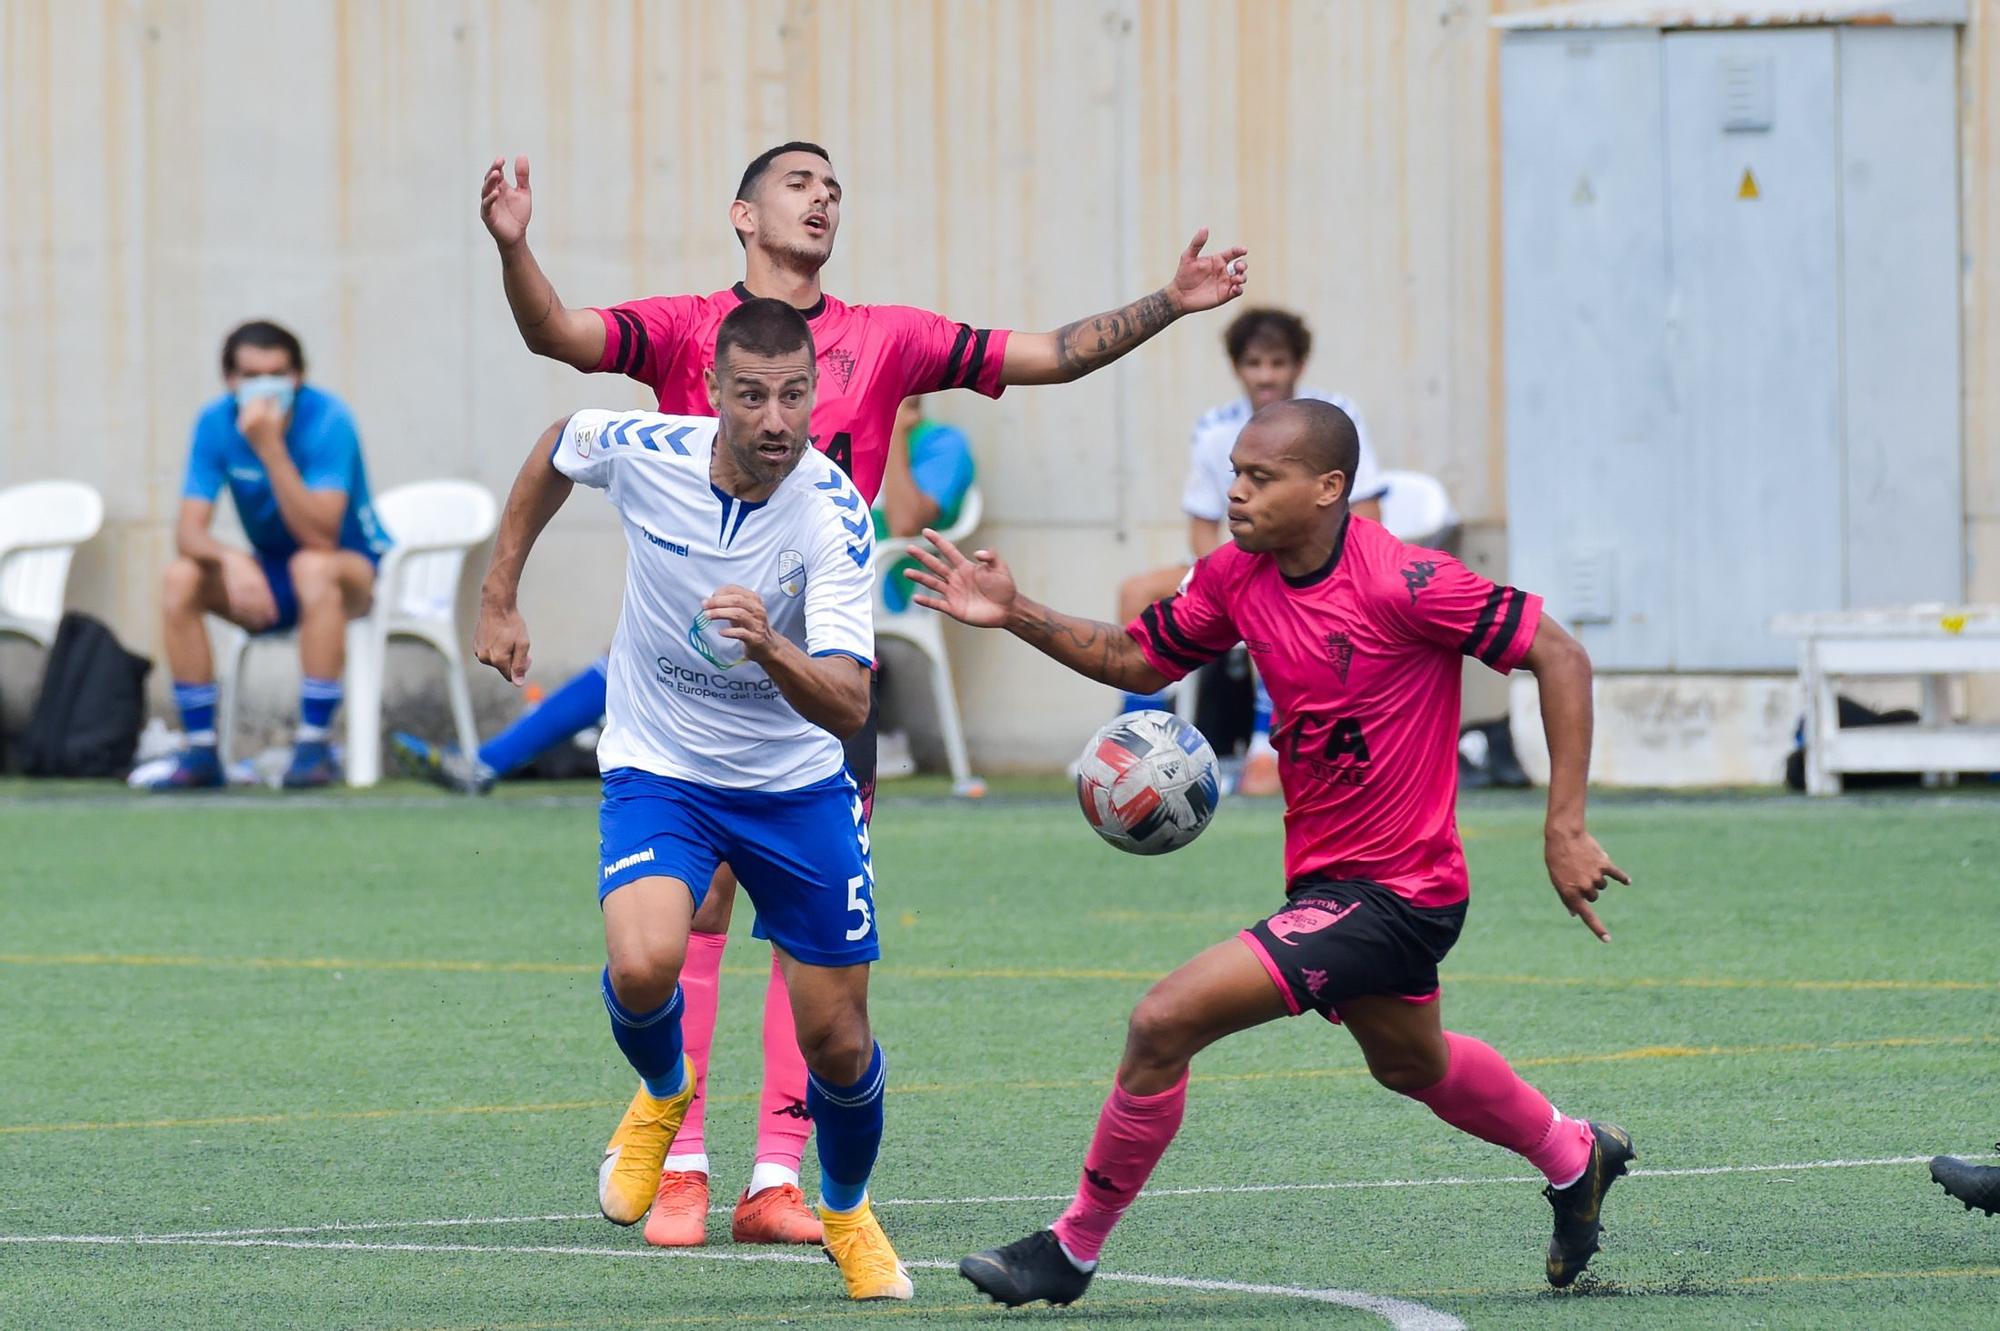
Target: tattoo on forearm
(1101,651)
(548,308)
(1089,344)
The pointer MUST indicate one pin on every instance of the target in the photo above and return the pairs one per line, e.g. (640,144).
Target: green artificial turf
(350,1017)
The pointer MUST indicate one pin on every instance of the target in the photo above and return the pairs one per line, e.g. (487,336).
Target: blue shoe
(198,769)
(441,765)
(312,766)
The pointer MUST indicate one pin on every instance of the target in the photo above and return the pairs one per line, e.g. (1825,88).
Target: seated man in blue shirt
(292,461)
(929,472)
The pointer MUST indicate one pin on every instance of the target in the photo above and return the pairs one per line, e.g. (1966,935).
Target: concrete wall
(169,168)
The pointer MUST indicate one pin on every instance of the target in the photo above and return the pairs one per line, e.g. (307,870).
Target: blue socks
(651,1042)
(578,703)
(318,700)
(848,1120)
(197,707)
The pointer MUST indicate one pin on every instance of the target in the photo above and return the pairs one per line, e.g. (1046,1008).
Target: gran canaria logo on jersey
(705,636)
(791,573)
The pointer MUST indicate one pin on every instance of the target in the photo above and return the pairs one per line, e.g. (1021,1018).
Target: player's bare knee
(838,1052)
(180,587)
(1407,1073)
(644,980)
(1160,1033)
(315,576)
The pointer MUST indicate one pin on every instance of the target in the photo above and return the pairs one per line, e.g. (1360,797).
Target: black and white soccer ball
(1148,783)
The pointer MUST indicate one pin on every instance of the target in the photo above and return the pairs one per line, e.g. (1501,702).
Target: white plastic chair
(41,525)
(434,524)
(1416,508)
(924,630)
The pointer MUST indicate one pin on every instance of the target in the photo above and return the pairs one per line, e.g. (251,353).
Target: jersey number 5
(858,903)
(841,449)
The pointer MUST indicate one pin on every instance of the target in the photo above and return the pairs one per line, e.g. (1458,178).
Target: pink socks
(1132,1134)
(782,1122)
(701,977)
(1481,1095)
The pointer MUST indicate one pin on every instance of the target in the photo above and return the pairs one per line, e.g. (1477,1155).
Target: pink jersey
(871,357)
(1362,662)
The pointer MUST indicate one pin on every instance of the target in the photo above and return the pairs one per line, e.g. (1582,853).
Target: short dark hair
(762,163)
(763,327)
(1330,441)
(1264,324)
(262,333)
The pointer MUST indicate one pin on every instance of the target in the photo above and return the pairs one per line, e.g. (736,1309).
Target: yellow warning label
(1748,189)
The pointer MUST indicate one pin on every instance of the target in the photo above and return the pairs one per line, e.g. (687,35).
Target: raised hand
(500,639)
(978,591)
(1202,282)
(1579,869)
(503,207)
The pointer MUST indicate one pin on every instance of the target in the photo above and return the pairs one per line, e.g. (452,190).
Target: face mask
(277,387)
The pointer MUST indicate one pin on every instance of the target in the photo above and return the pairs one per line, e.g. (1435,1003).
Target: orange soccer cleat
(679,1218)
(775,1215)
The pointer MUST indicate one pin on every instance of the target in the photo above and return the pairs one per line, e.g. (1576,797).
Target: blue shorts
(802,855)
(278,576)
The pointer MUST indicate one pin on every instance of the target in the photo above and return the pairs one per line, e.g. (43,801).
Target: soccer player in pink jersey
(786,214)
(1359,638)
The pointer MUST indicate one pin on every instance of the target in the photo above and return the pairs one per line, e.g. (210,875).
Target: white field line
(472,1222)
(1401,1314)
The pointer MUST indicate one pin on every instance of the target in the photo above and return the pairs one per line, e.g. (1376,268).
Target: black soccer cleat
(1025,1270)
(1975,1185)
(1579,1207)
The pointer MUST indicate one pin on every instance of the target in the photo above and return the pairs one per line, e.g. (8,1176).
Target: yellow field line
(1728,982)
(1641,1054)
(449,966)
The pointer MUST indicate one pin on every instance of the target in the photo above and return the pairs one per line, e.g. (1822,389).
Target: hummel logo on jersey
(1417,576)
(1100,1182)
(673,547)
(619,866)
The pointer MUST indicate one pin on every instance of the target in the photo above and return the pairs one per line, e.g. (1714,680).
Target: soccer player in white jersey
(740,661)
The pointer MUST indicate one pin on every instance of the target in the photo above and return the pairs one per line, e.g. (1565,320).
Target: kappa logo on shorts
(619,866)
(1306,920)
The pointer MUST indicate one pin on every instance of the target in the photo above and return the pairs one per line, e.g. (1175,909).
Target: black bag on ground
(93,702)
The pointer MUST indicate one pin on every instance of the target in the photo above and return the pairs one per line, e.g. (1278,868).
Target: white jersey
(682,700)
(1206,494)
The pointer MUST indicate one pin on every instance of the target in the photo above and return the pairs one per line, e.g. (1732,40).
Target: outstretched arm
(500,639)
(550,328)
(980,591)
(1578,866)
(1074,350)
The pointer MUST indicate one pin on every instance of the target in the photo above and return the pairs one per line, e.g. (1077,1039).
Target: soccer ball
(1147,783)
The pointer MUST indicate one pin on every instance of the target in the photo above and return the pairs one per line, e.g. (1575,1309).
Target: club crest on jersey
(841,361)
(791,573)
(584,437)
(1340,648)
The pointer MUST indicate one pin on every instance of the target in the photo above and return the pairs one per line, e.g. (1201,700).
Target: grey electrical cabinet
(1731,267)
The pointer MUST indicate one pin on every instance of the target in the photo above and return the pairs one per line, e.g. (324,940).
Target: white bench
(1930,642)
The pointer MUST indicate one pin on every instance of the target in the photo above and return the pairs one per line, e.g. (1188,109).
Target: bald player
(1359,638)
